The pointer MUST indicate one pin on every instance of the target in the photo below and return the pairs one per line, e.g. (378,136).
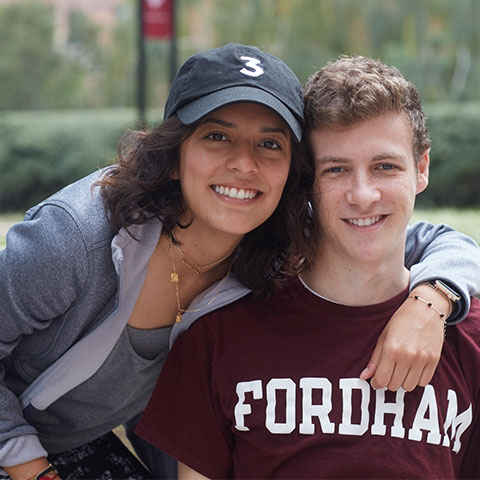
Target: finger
(412,378)
(371,368)
(368,371)
(427,374)
(399,374)
(384,373)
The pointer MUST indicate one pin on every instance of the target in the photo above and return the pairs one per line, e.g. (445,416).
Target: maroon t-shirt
(271,390)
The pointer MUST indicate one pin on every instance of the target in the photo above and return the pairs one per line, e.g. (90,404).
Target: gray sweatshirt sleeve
(42,272)
(438,252)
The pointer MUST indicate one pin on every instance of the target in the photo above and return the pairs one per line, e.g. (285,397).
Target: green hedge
(42,151)
(455,156)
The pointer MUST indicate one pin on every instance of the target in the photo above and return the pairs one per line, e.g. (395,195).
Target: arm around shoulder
(438,252)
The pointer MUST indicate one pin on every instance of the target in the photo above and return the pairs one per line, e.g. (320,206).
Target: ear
(174,174)
(422,171)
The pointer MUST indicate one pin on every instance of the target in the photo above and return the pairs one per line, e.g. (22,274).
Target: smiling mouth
(237,193)
(365,222)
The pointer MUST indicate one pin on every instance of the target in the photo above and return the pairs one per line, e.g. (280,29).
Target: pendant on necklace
(178,317)
(174,277)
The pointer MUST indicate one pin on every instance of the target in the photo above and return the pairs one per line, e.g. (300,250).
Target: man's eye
(270,144)
(217,137)
(386,166)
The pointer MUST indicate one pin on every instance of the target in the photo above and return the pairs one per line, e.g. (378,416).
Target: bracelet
(43,474)
(433,307)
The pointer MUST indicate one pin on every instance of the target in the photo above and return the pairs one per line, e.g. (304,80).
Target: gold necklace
(197,269)
(175,280)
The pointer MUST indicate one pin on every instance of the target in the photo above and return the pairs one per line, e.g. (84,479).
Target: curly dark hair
(140,186)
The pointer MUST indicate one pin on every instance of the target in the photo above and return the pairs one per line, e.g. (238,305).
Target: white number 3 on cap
(253,64)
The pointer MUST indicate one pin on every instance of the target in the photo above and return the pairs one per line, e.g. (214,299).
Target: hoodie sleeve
(438,252)
(43,270)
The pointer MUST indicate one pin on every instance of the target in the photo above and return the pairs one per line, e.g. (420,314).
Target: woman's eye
(335,170)
(270,144)
(217,137)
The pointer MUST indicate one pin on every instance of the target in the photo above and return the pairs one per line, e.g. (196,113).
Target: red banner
(158,19)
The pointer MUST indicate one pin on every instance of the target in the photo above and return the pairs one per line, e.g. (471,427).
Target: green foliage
(435,43)
(32,73)
(37,71)
(455,156)
(42,152)
(117,79)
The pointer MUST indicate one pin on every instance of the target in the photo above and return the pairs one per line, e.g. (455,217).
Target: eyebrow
(329,159)
(386,156)
(273,130)
(226,124)
(383,156)
(218,121)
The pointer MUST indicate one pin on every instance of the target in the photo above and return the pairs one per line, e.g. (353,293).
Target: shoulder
(76,210)
(51,249)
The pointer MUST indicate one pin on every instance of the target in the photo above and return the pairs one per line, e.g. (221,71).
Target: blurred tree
(31,71)
(84,72)
(435,43)
(118,70)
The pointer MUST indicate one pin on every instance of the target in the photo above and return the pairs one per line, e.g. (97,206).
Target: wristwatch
(445,290)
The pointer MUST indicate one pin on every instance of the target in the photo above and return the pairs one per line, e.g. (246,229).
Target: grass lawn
(466,221)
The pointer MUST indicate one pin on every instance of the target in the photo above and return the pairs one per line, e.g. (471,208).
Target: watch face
(445,289)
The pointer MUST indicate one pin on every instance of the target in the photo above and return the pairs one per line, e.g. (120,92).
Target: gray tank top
(118,391)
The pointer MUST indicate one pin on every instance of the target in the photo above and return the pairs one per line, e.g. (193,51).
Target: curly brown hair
(355,88)
(140,186)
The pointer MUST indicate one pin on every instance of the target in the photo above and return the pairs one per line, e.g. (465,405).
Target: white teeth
(233,192)
(364,222)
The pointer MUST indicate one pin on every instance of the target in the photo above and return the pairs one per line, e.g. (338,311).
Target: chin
(235,230)
(241,228)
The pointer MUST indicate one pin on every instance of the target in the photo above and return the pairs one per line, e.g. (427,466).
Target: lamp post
(156,20)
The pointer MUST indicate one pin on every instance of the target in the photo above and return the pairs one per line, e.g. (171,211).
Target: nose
(362,191)
(243,160)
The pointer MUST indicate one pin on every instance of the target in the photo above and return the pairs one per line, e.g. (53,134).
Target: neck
(204,251)
(357,284)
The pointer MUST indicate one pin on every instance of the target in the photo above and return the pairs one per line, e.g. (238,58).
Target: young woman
(214,199)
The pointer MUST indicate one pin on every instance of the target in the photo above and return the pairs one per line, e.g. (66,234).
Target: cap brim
(200,107)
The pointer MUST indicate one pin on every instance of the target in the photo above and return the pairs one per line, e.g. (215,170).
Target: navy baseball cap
(235,73)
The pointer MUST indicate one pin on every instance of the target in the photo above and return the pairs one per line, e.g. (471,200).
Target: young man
(273,388)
